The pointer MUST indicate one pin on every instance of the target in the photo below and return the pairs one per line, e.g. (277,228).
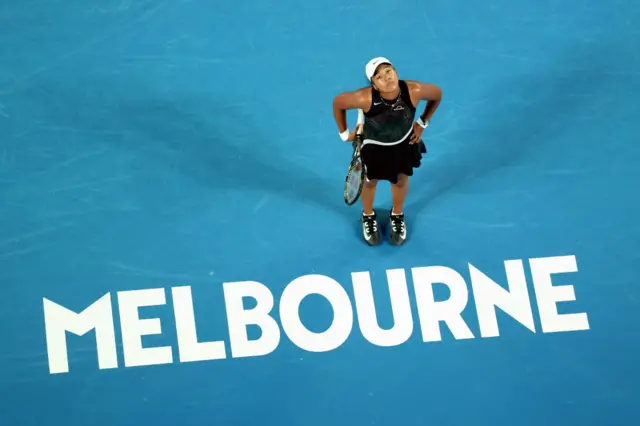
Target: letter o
(340,327)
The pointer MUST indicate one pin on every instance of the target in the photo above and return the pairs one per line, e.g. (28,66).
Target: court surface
(179,147)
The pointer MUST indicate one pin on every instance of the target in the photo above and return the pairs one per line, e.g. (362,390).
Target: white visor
(373,64)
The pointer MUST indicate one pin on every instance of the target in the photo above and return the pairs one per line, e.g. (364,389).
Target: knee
(370,184)
(403,180)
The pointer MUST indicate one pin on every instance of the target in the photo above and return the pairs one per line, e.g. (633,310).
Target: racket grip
(360,120)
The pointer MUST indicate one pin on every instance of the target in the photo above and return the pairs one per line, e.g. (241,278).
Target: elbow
(337,103)
(437,93)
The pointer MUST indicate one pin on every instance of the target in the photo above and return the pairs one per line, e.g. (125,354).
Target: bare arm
(358,99)
(426,92)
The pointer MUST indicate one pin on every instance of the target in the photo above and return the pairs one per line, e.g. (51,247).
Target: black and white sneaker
(370,231)
(397,228)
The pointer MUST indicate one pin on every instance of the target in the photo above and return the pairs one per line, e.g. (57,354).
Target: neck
(390,96)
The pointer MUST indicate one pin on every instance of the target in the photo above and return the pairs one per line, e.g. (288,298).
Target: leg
(399,193)
(398,233)
(370,231)
(367,195)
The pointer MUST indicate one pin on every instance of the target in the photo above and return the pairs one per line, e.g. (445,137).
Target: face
(385,79)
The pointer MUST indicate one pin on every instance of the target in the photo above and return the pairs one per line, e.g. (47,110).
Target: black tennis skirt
(386,162)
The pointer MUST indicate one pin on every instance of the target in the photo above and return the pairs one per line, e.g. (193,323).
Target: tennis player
(392,145)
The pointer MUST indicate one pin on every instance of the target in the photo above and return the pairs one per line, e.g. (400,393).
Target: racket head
(355,175)
(354,180)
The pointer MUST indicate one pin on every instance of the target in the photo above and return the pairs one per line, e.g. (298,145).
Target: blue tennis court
(175,249)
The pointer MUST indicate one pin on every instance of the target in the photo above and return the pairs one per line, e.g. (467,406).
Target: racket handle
(360,120)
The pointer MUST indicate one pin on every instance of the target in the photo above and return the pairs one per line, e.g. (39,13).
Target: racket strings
(354,182)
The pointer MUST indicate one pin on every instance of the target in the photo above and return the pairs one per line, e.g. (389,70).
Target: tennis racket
(355,174)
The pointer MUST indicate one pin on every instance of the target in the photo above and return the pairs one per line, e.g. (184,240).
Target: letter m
(58,320)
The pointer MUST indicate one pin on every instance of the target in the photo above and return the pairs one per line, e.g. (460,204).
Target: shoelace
(370,225)
(397,222)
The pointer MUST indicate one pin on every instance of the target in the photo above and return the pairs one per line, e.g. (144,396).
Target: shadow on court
(245,160)
(203,137)
(521,115)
